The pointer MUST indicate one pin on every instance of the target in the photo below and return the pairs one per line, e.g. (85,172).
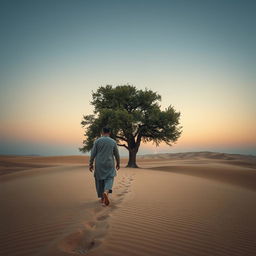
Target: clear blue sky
(199,55)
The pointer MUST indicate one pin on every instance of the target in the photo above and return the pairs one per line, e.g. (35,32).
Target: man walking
(104,150)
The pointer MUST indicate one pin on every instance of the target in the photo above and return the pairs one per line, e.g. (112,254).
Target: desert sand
(175,204)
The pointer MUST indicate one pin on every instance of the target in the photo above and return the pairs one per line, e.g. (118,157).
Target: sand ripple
(182,216)
(152,212)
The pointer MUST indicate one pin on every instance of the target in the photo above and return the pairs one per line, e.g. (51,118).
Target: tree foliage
(133,115)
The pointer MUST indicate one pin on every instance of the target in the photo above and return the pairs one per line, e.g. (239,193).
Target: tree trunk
(132,159)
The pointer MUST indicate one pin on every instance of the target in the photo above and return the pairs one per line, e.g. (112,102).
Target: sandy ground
(179,204)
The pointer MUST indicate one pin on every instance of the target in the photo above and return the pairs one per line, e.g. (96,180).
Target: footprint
(79,242)
(102,217)
(98,209)
(90,224)
(92,233)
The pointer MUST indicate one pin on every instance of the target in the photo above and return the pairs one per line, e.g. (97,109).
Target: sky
(200,56)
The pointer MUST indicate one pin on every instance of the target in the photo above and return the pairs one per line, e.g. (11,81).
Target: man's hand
(117,166)
(91,168)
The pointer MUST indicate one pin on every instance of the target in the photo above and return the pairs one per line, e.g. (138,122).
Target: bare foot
(106,200)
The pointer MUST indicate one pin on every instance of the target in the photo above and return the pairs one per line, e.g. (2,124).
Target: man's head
(105,131)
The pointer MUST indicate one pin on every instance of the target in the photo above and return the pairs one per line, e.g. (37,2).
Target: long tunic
(104,150)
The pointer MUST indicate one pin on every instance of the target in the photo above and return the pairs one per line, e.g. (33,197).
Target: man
(104,150)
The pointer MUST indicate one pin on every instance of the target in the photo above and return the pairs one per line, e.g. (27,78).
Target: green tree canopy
(133,115)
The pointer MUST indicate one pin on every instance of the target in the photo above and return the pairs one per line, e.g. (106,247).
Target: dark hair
(106,130)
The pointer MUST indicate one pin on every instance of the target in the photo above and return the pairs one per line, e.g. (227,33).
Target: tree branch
(122,145)
(139,129)
(121,138)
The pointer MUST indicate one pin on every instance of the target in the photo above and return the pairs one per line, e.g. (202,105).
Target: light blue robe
(103,152)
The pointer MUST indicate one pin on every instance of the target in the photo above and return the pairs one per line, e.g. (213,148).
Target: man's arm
(117,156)
(92,157)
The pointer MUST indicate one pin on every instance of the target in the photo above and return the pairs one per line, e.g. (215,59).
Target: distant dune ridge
(246,160)
(11,163)
(199,203)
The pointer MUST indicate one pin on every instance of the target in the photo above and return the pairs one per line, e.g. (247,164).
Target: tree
(133,115)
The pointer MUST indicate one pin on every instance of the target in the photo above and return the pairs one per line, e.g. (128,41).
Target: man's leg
(108,184)
(99,188)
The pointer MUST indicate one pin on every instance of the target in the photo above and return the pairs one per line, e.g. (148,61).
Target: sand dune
(173,214)
(244,177)
(12,163)
(201,157)
(195,205)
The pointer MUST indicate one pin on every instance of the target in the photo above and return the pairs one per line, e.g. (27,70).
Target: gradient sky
(199,55)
